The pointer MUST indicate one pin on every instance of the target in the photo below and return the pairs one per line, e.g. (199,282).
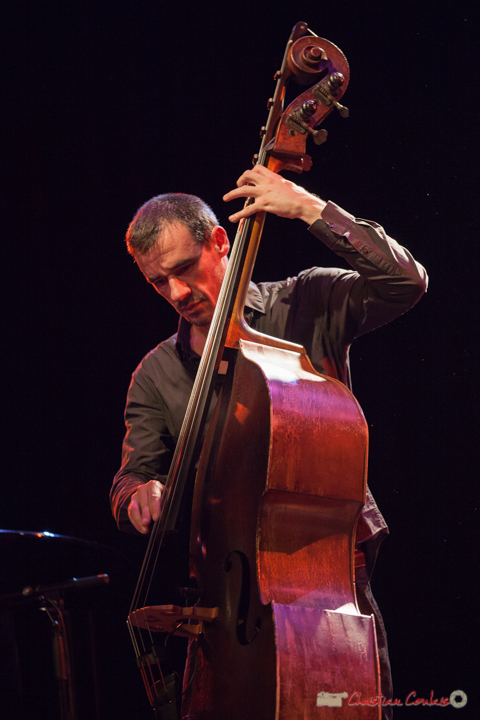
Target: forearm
(147,446)
(387,266)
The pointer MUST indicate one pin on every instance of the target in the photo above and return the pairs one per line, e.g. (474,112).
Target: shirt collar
(254,301)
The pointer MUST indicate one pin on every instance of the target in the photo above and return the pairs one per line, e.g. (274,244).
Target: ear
(219,241)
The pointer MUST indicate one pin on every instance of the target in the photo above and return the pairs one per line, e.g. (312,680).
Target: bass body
(279,488)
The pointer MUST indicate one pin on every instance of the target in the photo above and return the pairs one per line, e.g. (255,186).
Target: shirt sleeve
(147,446)
(388,281)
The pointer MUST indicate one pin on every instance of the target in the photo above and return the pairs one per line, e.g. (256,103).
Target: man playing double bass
(182,251)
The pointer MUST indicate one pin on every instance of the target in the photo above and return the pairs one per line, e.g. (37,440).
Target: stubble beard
(203,320)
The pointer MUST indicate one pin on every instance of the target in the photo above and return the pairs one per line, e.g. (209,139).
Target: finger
(135,516)
(258,175)
(245,212)
(244,191)
(146,516)
(154,500)
(249,177)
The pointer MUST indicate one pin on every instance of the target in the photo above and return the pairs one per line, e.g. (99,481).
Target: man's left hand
(272,193)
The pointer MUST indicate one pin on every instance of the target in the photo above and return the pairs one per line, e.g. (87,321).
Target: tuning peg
(344,111)
(319,136)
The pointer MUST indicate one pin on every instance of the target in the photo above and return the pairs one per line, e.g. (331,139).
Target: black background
(106,104)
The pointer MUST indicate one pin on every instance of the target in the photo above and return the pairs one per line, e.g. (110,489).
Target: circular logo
(458,699)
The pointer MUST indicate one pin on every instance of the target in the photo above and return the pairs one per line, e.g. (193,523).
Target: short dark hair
(164,210)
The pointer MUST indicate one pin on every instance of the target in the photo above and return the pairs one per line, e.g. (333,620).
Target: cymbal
(41,558)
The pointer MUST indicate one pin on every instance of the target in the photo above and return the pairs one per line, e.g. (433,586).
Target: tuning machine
(324,91)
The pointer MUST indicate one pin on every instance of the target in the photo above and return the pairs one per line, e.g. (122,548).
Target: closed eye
(184,269)
(177,272)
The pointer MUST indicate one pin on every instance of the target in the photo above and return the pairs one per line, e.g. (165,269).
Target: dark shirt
(323,309)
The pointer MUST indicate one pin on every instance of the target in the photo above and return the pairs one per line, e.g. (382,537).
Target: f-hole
(245,634)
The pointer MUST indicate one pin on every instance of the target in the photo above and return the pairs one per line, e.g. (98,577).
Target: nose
(178,290)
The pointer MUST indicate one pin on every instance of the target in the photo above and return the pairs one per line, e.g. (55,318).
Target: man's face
(187,273)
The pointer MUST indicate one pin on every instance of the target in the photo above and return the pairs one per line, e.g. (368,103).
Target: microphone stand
(50,599)
(54,607)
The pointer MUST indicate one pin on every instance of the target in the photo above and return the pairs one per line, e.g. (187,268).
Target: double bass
(275,632)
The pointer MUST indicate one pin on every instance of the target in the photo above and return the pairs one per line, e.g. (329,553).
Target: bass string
(187,438)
